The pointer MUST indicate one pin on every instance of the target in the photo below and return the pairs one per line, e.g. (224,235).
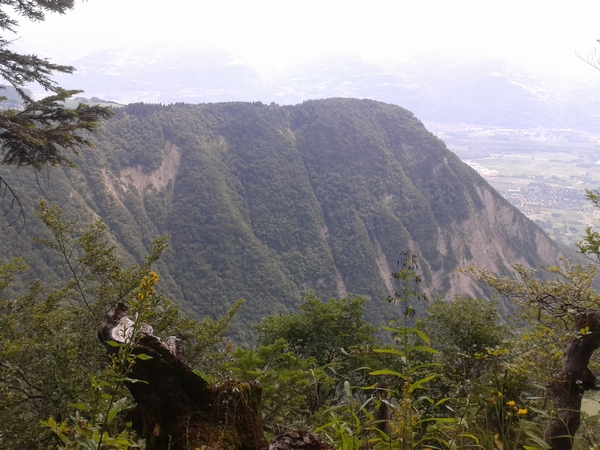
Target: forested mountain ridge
(270,202)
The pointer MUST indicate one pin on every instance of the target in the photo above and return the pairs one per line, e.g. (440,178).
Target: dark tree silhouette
(42,132)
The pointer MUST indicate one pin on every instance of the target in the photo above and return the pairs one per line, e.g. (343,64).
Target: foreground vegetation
(459,377)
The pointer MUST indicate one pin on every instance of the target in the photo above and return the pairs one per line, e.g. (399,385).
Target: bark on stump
(568,386)
(178,409)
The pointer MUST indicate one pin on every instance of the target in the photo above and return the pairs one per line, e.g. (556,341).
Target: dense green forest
(340,223)
(270,203)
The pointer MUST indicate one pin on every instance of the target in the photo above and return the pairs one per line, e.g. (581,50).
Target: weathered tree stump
(569,384)
(178,409)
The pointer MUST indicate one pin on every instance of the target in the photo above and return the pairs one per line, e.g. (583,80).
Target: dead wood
(177,408)
(569,384)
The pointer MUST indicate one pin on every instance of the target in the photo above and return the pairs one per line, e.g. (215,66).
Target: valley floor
(543,172)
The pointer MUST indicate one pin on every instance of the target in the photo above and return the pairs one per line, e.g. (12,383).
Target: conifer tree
(41,132)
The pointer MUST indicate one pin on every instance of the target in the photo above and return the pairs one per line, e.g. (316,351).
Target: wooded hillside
(273,202)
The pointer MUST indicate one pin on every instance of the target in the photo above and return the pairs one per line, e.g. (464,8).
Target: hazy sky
(271,34)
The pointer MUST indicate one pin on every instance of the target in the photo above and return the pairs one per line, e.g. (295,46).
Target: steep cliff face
(495,237)
(269,202)
(411,192)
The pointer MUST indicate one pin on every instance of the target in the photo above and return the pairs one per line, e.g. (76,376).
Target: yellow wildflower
(499,394)
(522,412)
(510,403)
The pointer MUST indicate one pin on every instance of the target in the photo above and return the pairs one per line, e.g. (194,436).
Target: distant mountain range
(485,92)
(269,202)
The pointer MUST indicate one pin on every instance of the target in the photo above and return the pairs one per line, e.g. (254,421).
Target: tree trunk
(178,409)
(568,386)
